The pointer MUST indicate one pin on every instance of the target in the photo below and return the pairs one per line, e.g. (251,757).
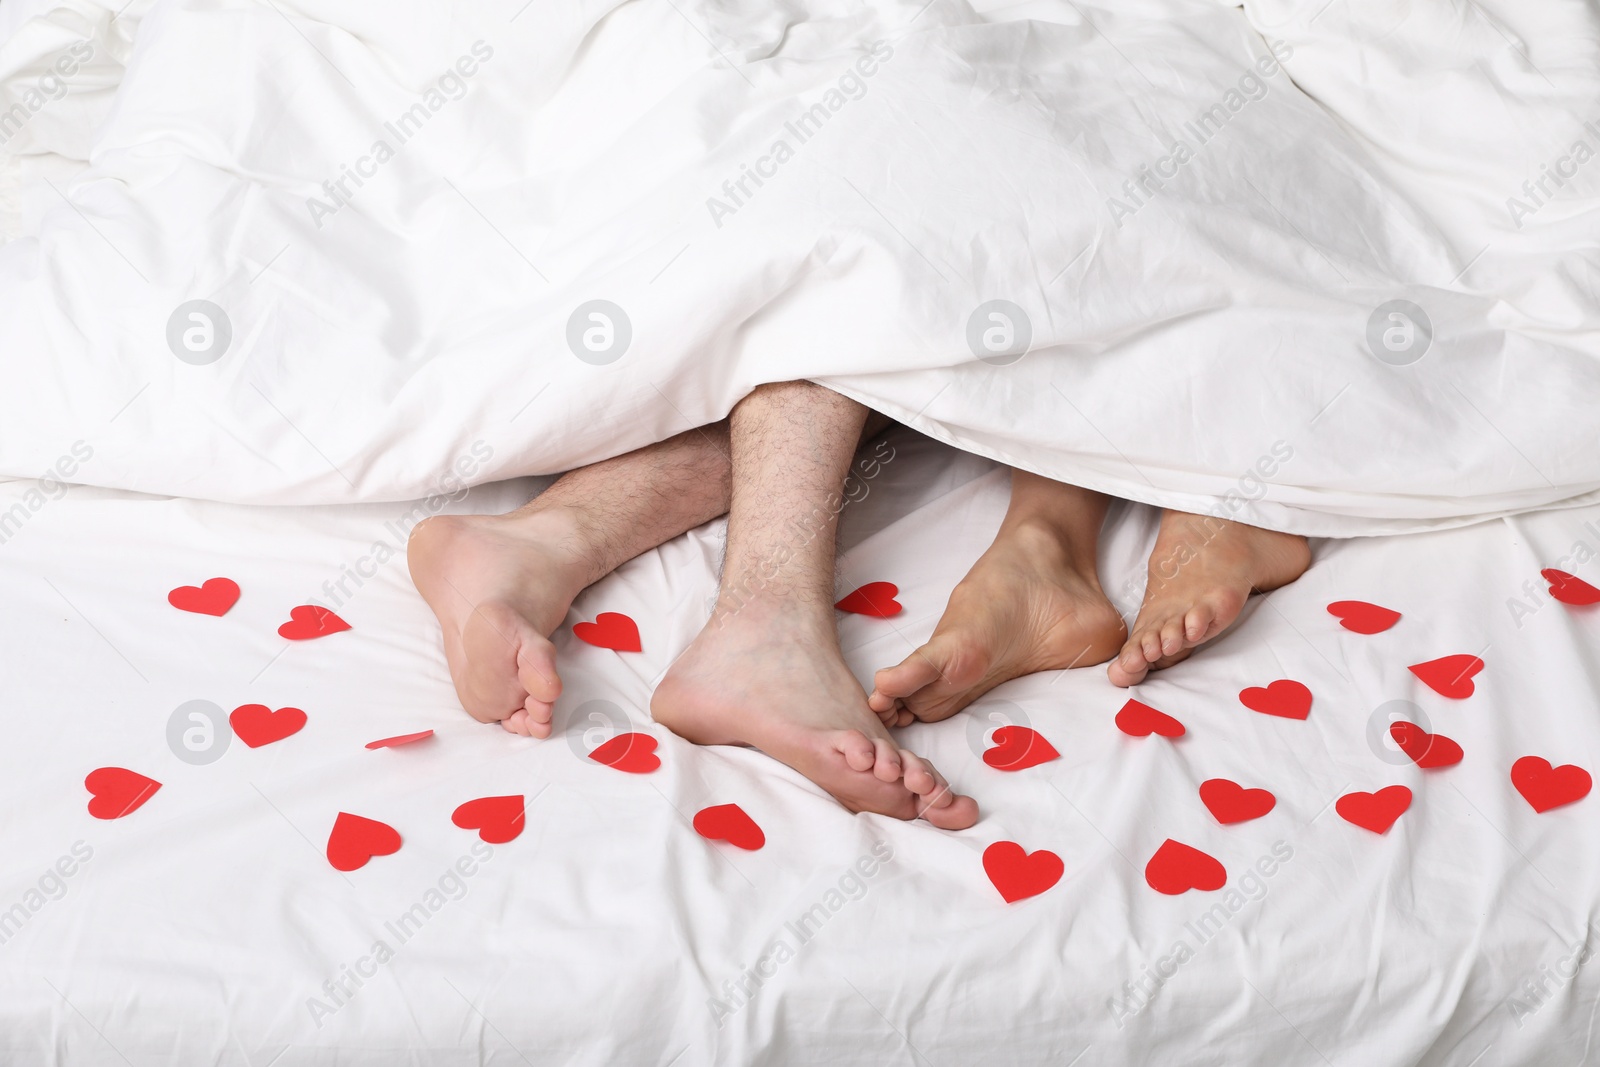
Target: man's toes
(1197,623)
(887,766)
(857,749)
(536,666)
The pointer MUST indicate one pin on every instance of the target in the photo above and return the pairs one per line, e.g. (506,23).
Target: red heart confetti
(1570,589)
(1374,811)
(634,753)
(355,840)
(1425,749)
(214,597)
(257,724)
(875,598)
(117,791)
(1229,802)
(728,822)
(400,739)
(1177,868)
(1018,873)
(497,819)
(1138,719)
(1017,748)
(1360,617)
(1449,676)
(308,621)
(1285,698)
(1545,787)
(610,629)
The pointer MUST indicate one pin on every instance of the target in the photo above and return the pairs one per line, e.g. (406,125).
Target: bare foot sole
(500,586)
(1025,606)
(770,676)
(1202,571)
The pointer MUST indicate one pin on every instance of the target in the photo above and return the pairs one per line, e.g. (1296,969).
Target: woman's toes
(1150,645)
(1197,623)
(538,715)
(517,723)
(959,814)
(1172,636)
(895,683)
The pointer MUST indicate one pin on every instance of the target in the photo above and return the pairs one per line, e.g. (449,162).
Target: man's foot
(1202,571)
(1027,605)
(500,586)
(769,674)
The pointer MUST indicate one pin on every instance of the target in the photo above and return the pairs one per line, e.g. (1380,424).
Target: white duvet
(1325,267)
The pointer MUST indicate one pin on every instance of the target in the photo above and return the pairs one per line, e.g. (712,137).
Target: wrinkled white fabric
(1201,344)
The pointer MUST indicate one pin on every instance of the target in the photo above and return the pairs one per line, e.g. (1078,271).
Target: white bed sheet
(202,925)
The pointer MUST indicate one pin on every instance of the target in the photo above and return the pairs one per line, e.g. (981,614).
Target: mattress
(206,923)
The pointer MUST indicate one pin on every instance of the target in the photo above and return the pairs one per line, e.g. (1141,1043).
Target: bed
(208,924)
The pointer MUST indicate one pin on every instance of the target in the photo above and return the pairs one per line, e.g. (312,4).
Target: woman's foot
(1028,604)
(500,586)
(1202,570)
(768,673)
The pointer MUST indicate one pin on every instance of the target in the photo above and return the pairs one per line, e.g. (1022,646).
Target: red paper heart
(1229,802)
(1017,748)
(728,822)
(214,597)
(875,598)
(1177,868)
(610,629)
(634,753)
(355,840)
(1450,676)
(1425,749)
(1360,617)
(1285,698)
(257,724)
(400,739)
(1018,873)
(117,791)
(1138,719)
(308,621)
(1374,811)
(1545,787)
(497,819)
(1570,589)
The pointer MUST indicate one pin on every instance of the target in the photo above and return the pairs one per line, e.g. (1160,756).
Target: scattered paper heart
(1177,868)
(214,597)
(1285,698)
(1545,787)
(1138,719)
(1570,589)
(610,629)
(1229,802)
(1449,676)
(1425,749)
(355,840)
(1360,617)
(257,724)
(1374,811)
(1016,748)
(497,819)
(875,598)
(117,791)
(634,753)
(1019,874)
(308,621)
(728,822)
(400,739)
